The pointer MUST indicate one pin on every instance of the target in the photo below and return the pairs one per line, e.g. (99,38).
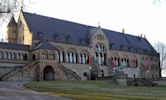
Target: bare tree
(8,8)
(161,49)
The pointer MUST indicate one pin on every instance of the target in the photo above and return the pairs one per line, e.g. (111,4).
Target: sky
(147,17)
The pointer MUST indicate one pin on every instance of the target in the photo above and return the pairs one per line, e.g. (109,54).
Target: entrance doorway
(48,73)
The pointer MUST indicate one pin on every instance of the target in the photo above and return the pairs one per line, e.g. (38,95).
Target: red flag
(90,59)
(113,65)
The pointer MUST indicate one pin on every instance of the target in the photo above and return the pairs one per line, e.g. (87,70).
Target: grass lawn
(98,90)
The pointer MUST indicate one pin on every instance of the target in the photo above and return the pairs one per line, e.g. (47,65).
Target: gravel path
(16,91)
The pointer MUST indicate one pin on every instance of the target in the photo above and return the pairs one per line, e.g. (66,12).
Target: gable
(12,22)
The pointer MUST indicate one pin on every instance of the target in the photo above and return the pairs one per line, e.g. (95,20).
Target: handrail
(69,71)
(6,75)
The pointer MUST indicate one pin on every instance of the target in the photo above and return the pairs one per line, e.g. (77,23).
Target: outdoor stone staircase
(140,82)
(18,69)
(71,74)
(95,70)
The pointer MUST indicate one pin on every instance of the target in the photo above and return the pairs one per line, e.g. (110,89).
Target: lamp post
(90,72)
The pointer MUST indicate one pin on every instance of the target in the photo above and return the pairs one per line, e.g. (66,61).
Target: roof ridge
(60,19)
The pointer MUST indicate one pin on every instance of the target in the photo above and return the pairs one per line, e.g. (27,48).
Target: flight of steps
(140,82)
(16,73)
(70,74)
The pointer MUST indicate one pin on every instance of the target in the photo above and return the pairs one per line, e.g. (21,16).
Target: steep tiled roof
(4,45)
(46,28)
(54,29)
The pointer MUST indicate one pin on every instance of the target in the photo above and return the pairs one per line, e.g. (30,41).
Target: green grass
(98,90)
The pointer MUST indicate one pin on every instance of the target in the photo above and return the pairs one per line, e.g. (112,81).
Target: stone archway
(48,73)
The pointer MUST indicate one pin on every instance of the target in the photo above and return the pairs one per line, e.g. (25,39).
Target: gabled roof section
(44,45)
(12,22)
(13,46)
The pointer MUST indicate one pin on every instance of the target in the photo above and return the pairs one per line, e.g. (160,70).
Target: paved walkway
(16,91)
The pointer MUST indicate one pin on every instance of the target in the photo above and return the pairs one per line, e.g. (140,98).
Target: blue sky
(135,16)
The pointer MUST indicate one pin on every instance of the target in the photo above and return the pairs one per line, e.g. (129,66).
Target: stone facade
(56,60)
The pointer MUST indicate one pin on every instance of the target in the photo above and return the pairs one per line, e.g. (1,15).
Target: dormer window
(122,47)
(40,34)
(100,37)
(138,50)
(112,45)
(130,49)
(55,36)
(82,41)
(68,37)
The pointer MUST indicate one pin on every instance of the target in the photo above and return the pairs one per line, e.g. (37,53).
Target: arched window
(34,57)
(61,56)
(83,57)
(115,61)
(52,55)
(25,56)
(45,55)
(124,62)
(134,62)
(12,55)
(100,54)
(71,55)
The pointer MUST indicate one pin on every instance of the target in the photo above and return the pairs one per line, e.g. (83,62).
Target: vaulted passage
(48,73)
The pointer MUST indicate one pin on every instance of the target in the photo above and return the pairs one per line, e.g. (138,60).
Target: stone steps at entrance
(15,71)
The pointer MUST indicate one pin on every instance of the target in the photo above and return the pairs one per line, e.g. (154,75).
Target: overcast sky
(135,16)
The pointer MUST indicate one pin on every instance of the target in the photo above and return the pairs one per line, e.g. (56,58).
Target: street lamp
(90,72)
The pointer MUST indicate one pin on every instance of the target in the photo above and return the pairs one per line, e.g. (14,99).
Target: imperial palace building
(43,48)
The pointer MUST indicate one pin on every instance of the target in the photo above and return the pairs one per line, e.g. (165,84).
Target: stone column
(103,58)
(99,59)
(80,58)
(83,58)
(67,57)
(61,56)
(74,57)
(71,58)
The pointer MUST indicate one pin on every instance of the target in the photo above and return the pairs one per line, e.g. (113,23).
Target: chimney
(144,36)
(141,35)
(123,30)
